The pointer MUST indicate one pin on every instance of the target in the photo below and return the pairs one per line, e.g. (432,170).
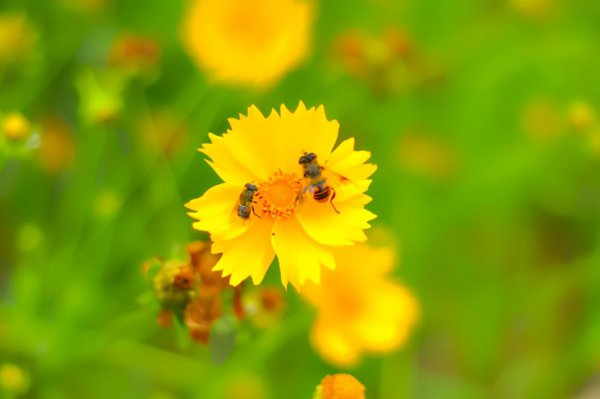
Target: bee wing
(336,177)
(344,186)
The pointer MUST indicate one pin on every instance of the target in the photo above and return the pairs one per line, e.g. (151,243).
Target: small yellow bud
(13,379)
(16,127)
(581,116)
(16,38)
(340,386)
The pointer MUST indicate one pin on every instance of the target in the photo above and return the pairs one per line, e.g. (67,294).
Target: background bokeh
(479,114)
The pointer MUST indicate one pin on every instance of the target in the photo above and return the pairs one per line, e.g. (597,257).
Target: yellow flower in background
(359,308)
(582,116)
(16,127)
(14,381)
(252,43)
(426,155)
(16,38)
(340,386)
(281,216)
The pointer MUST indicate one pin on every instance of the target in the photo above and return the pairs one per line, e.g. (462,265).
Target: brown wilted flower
(57,150)
(134,50)
(388,62)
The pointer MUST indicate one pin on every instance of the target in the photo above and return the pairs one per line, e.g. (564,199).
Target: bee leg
(331,199)
(299,199)
(254,212)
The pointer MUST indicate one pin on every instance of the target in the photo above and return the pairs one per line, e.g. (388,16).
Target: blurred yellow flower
(340,386)
(581,116)
(16,127)
(13,380)
(360,310)
(537,9)
(426,155)
(16,38)
(280,216)
(252,43)
(540,119)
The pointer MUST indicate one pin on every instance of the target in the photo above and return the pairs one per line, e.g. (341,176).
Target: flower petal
(327,227)
(229,169)
(300,257)
(250,142)
(304,130)
(215,212)
(388,320)
(247,255)
(349,163)
(333,344)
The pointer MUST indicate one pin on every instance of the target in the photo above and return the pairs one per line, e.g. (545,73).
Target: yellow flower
(340,386)
(581,116)
(16,38)
(285,219)
(253,43)
(16,127)
(13,380)
(426,155)
(359,309)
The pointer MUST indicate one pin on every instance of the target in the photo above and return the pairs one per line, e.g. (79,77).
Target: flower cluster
(286,192)
(191,291)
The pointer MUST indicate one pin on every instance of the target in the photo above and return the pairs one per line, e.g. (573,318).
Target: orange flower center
(279,196)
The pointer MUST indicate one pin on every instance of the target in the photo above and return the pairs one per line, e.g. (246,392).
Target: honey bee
(245,203)
(317,183)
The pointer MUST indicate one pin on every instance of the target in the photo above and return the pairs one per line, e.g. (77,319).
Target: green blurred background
(489,178)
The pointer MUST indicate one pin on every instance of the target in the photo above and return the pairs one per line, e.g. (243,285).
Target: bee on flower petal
(317,183)
(246,202)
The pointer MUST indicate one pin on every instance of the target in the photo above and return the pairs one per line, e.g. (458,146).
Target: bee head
(250,186)
(307,158)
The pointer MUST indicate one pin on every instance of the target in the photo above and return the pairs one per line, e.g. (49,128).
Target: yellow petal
(300,257)
(327,227)
(229,169)
(249,254)
(390,317)
(330,341)
(215,212)
(304,130)
(349,163)
(250,142)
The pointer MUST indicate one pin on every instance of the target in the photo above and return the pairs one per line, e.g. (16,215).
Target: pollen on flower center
(279,196)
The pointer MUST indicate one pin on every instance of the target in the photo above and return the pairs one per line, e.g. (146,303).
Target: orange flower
(340,386)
